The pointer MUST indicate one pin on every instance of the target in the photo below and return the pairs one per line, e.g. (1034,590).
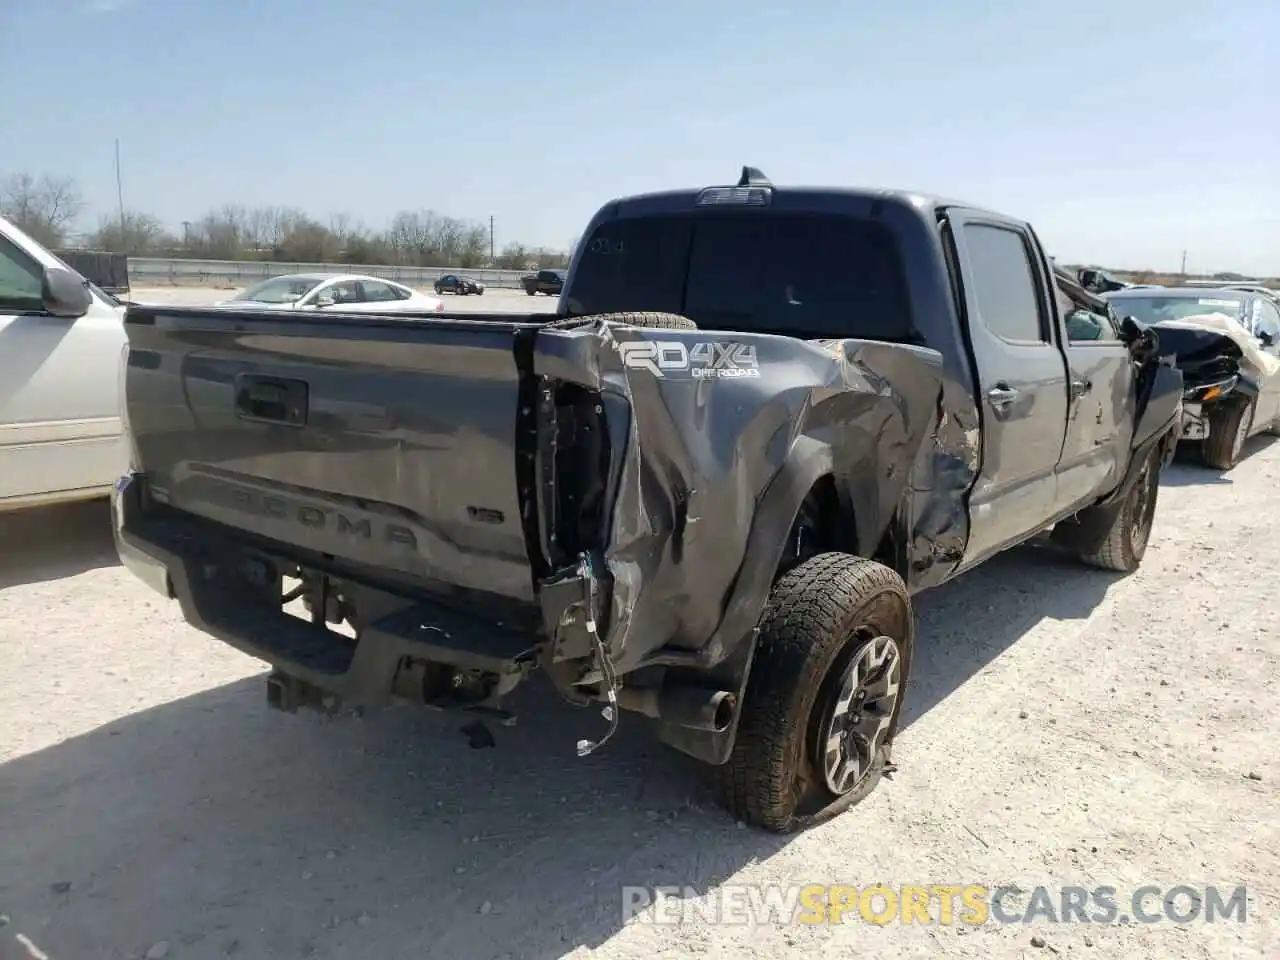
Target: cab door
(60,428)
(1102,405)
(1022,379)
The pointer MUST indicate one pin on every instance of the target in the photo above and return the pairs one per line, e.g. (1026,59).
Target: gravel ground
(1066,726)
(493,300)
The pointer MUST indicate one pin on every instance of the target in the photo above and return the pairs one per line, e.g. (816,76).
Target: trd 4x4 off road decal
(706,360)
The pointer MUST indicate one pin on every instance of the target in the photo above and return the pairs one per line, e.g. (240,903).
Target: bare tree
(138,234)
(514,256)
(44,206)
(47,206)
(308,242)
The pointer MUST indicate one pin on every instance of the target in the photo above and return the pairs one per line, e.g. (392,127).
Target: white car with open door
(348,293)
(61,339)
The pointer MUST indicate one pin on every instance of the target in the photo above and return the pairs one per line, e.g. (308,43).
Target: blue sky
(1127,131)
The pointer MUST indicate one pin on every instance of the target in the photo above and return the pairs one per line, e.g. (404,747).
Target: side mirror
(1131,328)
(1143,342)
(64,294)
(1266,338)
(325,300)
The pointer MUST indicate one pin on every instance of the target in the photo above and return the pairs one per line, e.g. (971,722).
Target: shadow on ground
(47,543)
(228,830)
(1188,470)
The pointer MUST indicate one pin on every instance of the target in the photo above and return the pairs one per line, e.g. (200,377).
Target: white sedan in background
(348,293)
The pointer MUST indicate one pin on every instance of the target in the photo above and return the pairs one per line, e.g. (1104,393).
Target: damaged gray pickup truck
(703,491)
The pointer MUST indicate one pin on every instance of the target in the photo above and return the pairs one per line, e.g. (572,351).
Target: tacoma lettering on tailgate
(274,506)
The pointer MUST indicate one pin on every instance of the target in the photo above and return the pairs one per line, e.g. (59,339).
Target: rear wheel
(1229,427)
(824,696)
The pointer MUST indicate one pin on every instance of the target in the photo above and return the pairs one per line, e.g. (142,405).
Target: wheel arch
(808,477)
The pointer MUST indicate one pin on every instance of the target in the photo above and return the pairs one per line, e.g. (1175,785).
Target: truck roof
(924,203)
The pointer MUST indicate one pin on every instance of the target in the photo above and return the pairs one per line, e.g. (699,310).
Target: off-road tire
(1130,532)
(1219,449)
(651,321)
(807,637)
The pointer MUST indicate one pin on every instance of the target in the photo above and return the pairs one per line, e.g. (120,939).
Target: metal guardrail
(239,273)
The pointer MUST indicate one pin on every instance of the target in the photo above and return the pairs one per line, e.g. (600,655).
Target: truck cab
(1058,398)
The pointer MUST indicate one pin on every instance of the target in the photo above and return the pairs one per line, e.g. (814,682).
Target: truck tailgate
(387,444)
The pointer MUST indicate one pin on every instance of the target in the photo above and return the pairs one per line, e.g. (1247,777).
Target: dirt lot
(1065,727)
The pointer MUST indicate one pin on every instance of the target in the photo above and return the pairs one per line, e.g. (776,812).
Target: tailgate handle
(271,399)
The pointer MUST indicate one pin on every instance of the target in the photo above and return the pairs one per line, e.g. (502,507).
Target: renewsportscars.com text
(934,904)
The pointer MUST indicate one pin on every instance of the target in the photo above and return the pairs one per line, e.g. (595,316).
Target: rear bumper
(148,568)
(230,587)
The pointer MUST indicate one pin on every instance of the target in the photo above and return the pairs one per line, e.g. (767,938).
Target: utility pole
(186,234)
(490,238)
(120,198)
(1184,263)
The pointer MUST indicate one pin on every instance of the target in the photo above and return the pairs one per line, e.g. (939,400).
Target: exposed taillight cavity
(122,377)
(122,373)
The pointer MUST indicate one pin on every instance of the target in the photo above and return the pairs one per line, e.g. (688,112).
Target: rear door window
(346,291)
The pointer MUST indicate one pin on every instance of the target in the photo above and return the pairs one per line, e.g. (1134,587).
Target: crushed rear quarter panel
(714,468)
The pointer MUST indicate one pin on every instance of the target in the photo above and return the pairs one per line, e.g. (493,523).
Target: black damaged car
(703,491)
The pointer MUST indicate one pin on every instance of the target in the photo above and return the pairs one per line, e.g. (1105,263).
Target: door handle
(1080,386)
(1001,395)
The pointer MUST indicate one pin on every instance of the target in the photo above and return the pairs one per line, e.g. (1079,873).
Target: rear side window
(794,274)
(1003,283)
